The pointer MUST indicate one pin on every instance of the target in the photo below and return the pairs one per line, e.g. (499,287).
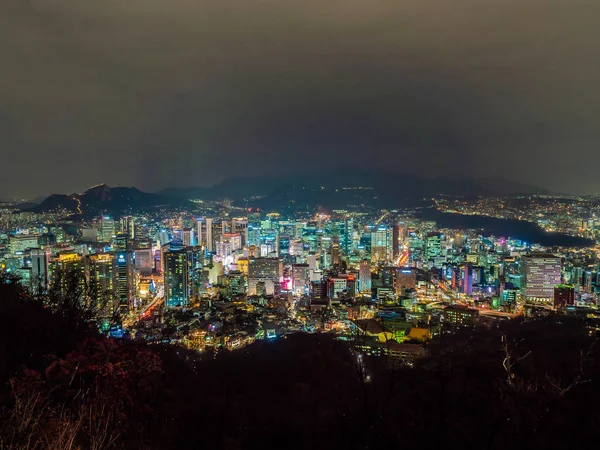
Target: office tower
(235,283)
(541,273)
(564,295)
(347,236)
(283,244)
(143,256)
(240,226)
(587,282)
(101,275)
(131,227)
(22,242)
(406,278)
(195,272)
(300,278)
(335,254)
(387,276)
(177,235)
(188,237)
(217,234)
(125,272)
(395,242)
(433,246)
(364,276)
(40,260)
(175,269)
(68,274)
(107,229)
(381,244)
(467,279)
(89,235)
(266,270)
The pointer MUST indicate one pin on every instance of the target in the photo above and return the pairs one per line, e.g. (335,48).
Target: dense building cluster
(229,276)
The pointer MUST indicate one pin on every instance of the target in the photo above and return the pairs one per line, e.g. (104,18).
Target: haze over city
(157,94)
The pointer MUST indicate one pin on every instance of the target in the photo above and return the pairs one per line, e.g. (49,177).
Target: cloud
(158,93)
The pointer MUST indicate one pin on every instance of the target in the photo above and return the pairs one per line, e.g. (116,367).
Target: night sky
(157,93)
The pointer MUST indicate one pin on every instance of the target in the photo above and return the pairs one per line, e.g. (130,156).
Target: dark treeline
(515,385)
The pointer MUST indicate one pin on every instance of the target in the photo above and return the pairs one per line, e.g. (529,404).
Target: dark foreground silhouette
(516,385)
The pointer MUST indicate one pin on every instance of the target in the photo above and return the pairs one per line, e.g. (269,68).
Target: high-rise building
(124,272)
(40,260)
(467,279)
(406,278)
(364,276)
(68,273)
(188,237)
(175,269)
(564,295)
(382,248)
(432,246)
(239,225)
(266,270)
(101,274)
(107,229)
(541,273)
(143,256)
(22,242)
(300,279)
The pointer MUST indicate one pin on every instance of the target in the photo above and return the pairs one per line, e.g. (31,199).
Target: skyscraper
(39,269)
(467,279)
(432,246)
(382,248)
(541,273)
(364,276)
(124,272)
(188,237)
(107,229)
(175,269)
(300,278)
(101,273)
(266,270)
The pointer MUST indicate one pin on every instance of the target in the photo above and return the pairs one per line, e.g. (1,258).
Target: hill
(105,199)
(337,190)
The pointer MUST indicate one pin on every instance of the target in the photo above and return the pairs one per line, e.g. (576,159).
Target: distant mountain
(338,190)
(104,199)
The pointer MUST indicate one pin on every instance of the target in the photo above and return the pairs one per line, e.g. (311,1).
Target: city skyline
(155,95)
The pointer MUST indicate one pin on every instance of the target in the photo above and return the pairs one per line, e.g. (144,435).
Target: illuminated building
(124,270)
(541,273)
(460,316)
(300,279)
(188,237)
(205,238)
(68,272)
(467,279)
(235,283)
(335,254)
(266,270)
(283,244)
(240,226)
(101,273)
(40,260)
(364,276)
(175,269)
(22,242)
(432,246)
(107,229)
(564,295)
(217,232)
(143,256)
(406,278)
(382,248)
(195,272)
